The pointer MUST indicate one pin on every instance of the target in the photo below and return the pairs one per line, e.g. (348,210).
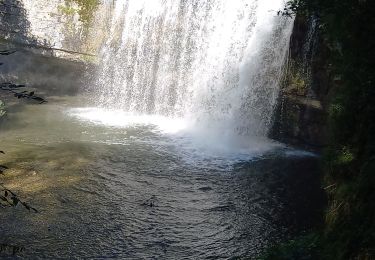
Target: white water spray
(217,64)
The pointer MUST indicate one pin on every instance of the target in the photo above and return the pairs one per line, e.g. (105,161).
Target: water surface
(138,191)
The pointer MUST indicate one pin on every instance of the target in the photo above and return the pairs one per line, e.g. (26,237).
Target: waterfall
(215,63)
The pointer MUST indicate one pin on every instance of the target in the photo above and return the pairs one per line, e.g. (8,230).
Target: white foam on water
(190,142)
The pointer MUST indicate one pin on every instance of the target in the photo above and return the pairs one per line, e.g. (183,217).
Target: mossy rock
(86,9)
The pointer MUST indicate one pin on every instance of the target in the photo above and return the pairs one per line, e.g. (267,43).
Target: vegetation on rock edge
(347,28)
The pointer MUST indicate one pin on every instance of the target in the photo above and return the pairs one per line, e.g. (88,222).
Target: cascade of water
(215,62)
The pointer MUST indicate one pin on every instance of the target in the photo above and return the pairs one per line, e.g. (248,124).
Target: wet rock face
(58,24)
(33,22)
(46,22)
(301,121)
(301,116)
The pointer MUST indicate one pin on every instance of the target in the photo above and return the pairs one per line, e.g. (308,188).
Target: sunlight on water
(122,119)
(191,141)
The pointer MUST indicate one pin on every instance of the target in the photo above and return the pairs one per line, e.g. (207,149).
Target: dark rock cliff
(301,115)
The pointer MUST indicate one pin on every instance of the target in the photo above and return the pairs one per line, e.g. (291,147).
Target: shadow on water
(294,185)
(51,78)
(43,176)
(132,201)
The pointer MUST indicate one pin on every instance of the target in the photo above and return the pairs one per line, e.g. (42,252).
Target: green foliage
(85,10)
(347,28)
(302,248)
(296,80)
(345,157)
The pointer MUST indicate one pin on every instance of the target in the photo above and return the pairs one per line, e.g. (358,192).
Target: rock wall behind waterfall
(42,30)
(53,24)
(301,117)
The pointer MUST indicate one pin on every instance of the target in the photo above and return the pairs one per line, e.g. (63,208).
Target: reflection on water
(134,192)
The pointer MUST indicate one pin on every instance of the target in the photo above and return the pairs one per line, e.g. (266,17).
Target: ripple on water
(105,194)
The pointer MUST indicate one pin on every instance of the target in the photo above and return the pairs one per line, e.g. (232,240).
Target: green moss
(89,59)
(86,10)
(66,10)
(335,110)
(296,81)
(345,156)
